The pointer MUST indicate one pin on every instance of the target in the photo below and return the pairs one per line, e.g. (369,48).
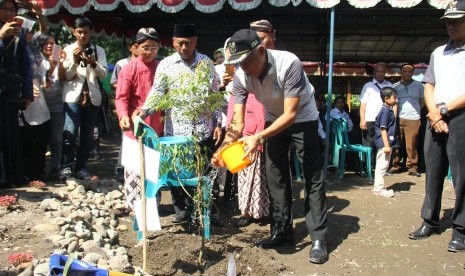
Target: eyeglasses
(12,10)
(149,49)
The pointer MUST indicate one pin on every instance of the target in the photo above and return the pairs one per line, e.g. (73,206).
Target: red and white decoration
(210,6)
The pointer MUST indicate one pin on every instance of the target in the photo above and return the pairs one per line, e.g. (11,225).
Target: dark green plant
(192,97)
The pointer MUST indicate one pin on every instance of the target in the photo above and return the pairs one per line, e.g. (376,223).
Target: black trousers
(368,139)
(305,137)
(442,150)
(178,195)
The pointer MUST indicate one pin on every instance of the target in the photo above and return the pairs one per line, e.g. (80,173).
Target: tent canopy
(379,33)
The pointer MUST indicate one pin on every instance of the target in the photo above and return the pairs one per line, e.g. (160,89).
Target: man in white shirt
(370,105)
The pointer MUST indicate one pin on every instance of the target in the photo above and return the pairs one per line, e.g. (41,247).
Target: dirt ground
(367,234)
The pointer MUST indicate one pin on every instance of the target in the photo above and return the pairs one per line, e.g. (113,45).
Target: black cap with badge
(455,10)
(241,44)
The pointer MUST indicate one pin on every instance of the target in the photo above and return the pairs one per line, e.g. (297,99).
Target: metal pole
(330,92)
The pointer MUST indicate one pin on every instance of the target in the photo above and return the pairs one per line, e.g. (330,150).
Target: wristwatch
(443,110)
(261,140)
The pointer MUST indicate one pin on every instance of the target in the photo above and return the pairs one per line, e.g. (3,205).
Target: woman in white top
(52,88)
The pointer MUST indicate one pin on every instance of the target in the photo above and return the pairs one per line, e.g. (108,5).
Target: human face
(48,46)
(219,58)
(379,73)
(253,65)
(456,30)
(268,39)
(133,49)
(407,73)
(7,11)
(391,101)
(185,47)
(82,35)
(340,104)
(148,50)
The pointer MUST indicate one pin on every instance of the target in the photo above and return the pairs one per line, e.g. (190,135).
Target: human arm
(37,10)
(233,132)
(363,123)
(291,107)
(122,95)
(384,137)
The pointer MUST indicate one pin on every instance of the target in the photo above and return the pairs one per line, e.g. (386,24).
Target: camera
(87,51)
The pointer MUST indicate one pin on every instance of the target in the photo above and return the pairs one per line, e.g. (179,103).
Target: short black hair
(407,64)
(339,97)
(387,92)
(82,22)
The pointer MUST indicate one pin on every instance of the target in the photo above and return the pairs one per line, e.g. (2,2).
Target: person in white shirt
(370,105)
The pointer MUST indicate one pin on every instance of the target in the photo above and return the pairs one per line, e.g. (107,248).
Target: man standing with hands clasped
(278,81)
(445,99)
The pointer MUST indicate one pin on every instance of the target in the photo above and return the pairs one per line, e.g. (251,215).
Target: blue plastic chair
(182,176)
(342,146)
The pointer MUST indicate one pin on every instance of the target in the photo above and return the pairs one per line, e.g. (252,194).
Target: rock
(58,221)
(64,243)
(102,263)
(113,236)
(92,258)
(113,195)
(95,213)
(90,246)
(50,204)
(42,270)
(60,251)
(121,251)
(122,227)
(97,237)
(101,230)
(47,227)
(27,272)
(73,247)
(70,234)
(55,238)
(121,264)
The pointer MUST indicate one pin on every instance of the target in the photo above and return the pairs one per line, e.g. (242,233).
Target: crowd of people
(51,97)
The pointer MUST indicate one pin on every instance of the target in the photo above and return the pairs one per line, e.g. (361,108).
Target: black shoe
(178,218)
(318,253)
(215,220)
(243,222)
(276,240)
(417,174)
(65,173)
(83,174)
(423,232)
(119,176)
(456,244)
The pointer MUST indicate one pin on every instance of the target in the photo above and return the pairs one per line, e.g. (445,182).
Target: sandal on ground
(384,193)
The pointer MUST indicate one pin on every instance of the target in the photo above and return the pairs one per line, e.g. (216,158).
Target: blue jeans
(84,119)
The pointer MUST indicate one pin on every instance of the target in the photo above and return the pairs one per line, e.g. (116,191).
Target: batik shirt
(176,124)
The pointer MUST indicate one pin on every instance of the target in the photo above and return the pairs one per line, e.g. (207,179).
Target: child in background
(339,112)
(385,139)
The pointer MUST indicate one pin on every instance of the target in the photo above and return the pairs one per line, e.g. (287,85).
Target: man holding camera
(85,65)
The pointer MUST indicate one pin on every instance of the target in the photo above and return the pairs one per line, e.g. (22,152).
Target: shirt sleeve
(429,74)
(123,92)
(239,90)
(159,87)
(383,119)
(294,80)
(364,94)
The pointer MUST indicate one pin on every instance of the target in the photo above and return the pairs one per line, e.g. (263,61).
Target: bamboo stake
(144,204)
